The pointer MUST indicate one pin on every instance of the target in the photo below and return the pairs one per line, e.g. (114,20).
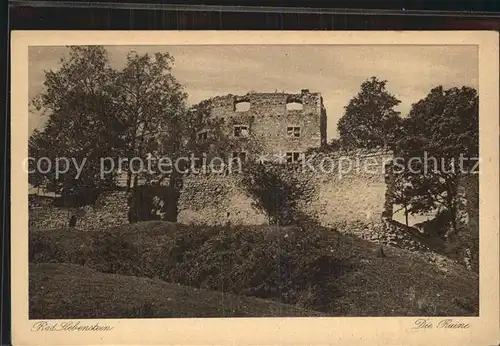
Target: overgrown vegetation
(118,296)
(140,111)
(442,131)
(435,144)
(314,268)
(277,191)
(288,265)
(96,111)
(370,120)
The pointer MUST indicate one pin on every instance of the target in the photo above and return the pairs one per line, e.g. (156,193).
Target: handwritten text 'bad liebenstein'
(69,326)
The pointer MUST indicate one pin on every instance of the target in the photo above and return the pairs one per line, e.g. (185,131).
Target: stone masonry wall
(338,194)
(343,190)
(110,210)
(349,191)
(268,119)
(217,199)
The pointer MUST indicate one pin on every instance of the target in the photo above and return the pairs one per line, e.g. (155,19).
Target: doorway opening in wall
(153,202)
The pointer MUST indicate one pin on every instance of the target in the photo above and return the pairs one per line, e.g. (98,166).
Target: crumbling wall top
(271,98)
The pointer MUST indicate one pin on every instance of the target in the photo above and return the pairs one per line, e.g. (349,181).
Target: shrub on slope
(66,291)
(313,268)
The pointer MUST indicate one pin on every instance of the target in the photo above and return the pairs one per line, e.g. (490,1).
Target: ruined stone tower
(287,124)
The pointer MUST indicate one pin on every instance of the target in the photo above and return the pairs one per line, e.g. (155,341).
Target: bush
(309,267)
(438,226)
(277,192)
(66,291)
(290,265)
(61,246)
(114,254)
(293,266)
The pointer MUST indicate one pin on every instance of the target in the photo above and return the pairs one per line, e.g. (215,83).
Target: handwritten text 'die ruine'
(423,323)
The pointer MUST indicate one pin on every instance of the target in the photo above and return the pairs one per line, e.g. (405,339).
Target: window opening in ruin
(202,136)
(294,106)
(293,156)
(239,155)
(198,162)
(240,131)
(241,106)
(293,131)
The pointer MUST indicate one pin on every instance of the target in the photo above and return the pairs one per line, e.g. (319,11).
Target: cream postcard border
(484,329)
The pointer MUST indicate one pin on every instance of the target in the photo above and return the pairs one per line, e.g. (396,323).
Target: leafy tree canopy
(438,144)
(370,120)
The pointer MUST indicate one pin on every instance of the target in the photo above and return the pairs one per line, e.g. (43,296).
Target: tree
(152,104)
(97,112)
(370,120)
(161,128)
(440,142)
(404,196)
(82,126)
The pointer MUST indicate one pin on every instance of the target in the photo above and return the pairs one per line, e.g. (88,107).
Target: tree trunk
(406,215)
(129,157)
(136,180)
(453,212)
(175,183)
(129,179)
(451,206)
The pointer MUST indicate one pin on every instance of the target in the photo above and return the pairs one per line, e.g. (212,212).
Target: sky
(336,71)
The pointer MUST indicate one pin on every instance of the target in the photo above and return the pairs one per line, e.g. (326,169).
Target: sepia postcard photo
(255,188)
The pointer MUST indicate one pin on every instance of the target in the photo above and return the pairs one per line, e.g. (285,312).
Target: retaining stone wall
(337,194)
(111,209)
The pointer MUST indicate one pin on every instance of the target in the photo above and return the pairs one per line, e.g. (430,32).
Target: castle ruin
(283,123)
(357,200)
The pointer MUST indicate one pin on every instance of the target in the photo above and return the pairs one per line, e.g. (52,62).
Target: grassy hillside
(314,268)
(72,291)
